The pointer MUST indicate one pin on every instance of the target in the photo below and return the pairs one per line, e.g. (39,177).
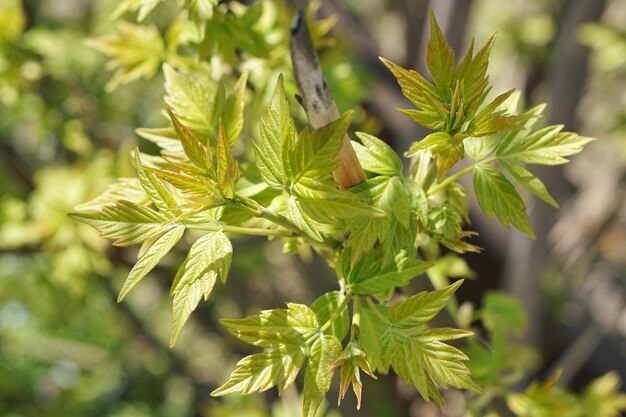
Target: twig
(317,100)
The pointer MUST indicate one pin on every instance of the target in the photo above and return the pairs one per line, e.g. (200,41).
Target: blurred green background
(68,349)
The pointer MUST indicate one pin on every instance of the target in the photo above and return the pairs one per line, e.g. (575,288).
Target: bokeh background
(68,349)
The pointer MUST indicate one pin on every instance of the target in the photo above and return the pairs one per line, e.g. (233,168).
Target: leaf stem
(242,230)
(376,310)
(259,211)
(443,184)
(356,318)
(336,313)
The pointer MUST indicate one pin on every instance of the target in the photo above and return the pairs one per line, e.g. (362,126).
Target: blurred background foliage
(74,85)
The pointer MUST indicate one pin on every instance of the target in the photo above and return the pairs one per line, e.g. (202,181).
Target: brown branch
(317,100)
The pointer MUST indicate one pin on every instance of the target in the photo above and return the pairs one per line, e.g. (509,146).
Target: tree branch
(317,99)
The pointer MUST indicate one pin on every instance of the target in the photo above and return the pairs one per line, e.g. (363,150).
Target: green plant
(377,235)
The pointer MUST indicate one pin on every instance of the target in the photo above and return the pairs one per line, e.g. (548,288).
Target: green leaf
(490,120)
(324,203)
(227,168)
(313,154)
(472,70)
(374,322)
(207,259)
(262,371)
(151,258)
(232,116)
(399,199)
(135,52)
(161,196)
(128,189)
(195,105)
(324,307)
(503,313)
(194,187)
(301,219)
(166,139)
(445,220)
(495,194)
(126,222)
(376,156)
(548,146)
(192,147)
(277,129)
(421,308)
(602,397)
(144,7)
(319,373)
(200,11)
(369,276)
(288,334)
(439,59)
(363,236)
(273,328)
(429,141)
(417,354)
(420,92)
(528,180)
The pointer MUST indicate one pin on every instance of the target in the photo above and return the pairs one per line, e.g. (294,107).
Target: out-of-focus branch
(567,74)
(416,14)
(317,100)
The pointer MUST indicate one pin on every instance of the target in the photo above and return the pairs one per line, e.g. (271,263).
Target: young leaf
(143,6)
(376,156)
(439,59)
(207,259)
(166,139)
(232,116)
(472,70)
(161,196)
(273,328)
(287,334)
(313,153)
(195,105)
(192,147)
(548,146)
(151,258)
(421,308)
(126,222)
(324,203)
(420,92)
(128,189)
(135,52)
(528,180)
(227,168)
(277,128)
(262,371)
(418,355)
(495,194)
(301,219)
(324,307)
(319,373)
(374,322)
(369,276)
